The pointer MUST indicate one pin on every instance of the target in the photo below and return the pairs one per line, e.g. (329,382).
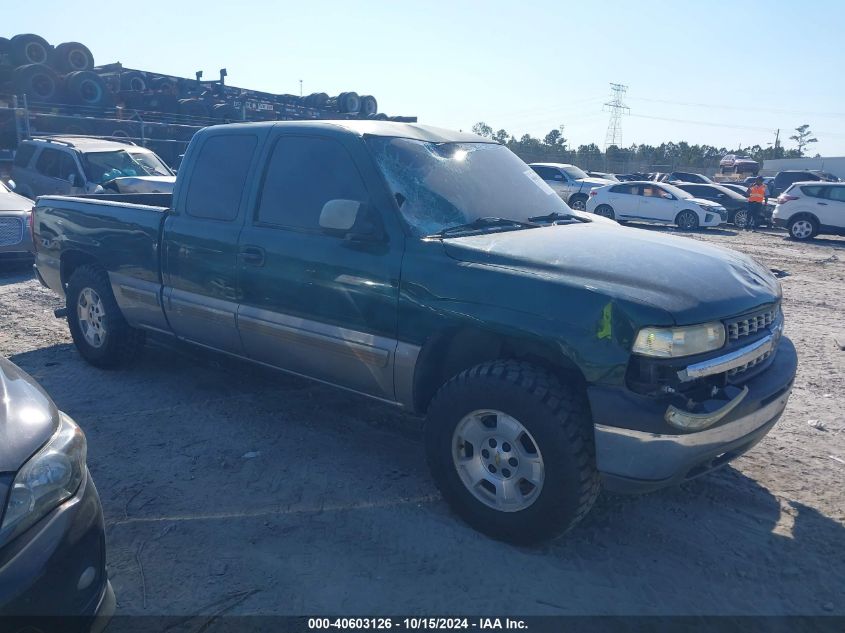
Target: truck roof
(414,131)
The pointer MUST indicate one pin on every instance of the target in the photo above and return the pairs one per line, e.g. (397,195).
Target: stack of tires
(30,66)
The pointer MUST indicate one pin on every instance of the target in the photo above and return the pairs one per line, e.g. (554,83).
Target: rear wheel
(687,220)
(98,328)
(741,219)
(512,451)
(606,211)
(579,203)
(803,228)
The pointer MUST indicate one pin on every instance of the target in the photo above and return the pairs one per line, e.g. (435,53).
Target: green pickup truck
(548,349)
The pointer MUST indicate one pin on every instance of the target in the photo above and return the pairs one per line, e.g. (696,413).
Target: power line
(616,106)
(733,107)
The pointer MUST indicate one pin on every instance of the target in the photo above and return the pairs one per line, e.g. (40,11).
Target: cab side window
(303,174)
(217,182)
(49,163)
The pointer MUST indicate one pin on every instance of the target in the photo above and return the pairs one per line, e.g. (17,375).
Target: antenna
(616,106)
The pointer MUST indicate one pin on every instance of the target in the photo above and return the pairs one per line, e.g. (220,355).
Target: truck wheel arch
(73,259)
(451,351)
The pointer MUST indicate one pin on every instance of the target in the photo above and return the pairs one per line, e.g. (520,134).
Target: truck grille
(749,364)
(751,323)
(11,231)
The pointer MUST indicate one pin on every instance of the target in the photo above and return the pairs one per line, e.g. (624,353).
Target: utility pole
(777,138)
(300,87)
(616,106)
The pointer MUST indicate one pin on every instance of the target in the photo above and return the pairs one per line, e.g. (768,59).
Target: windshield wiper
(554,216)
(479,224)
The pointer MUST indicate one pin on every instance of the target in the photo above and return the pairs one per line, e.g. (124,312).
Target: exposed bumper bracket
(698,421)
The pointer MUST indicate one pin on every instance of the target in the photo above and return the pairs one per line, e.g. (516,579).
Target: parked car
(79,165)
(15,238)
(740,189)
(569,182)
(659,203)
(603,176)
(52,536)
(675,177)
(363,254)
(783,179)
(735,204)
(807,209)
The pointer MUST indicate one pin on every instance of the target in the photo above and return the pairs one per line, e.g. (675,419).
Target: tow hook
(700,421)
(60,313)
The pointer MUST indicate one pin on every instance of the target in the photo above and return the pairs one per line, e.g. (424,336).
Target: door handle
(824,204)
(252,255)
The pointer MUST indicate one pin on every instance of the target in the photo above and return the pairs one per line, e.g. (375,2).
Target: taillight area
(783,198)
(593,193)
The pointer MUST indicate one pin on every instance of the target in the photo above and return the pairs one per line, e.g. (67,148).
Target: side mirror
(11,184)
(350,218)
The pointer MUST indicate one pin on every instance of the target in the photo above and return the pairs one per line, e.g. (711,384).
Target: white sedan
(660,203)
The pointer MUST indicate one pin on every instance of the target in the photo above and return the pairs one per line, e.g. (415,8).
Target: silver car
(15,236)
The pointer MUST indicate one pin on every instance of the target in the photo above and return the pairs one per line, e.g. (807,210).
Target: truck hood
(14,202)
(145,184)
(28,417)
(692,281)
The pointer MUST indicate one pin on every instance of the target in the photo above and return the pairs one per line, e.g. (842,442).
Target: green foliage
(803,137)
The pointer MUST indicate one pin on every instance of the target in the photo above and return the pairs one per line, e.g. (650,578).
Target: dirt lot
(231,488)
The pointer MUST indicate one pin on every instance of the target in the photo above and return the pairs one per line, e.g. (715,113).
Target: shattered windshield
(443,185)
(101,167)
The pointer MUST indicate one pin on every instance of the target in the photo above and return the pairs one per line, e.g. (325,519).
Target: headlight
(679,341)
(50,477)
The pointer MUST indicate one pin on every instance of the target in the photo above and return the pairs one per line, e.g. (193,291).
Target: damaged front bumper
(637,450)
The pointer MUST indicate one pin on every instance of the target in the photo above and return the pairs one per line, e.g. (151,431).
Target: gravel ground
(232,488)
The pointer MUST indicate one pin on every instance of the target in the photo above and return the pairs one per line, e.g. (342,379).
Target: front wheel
(606,211)
(687,220)
(741,219)
(578,203)
(802,228)
(97,327)
(512,451)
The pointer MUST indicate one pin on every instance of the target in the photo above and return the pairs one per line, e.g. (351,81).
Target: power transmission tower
(616,106)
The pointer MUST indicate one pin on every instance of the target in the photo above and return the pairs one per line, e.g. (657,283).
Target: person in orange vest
(758,195)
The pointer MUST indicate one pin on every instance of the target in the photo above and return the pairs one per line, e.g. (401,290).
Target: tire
(578,202)
(741,219)
(348,102)
(133,81)
(38,81)
(687,220)
(28,48)
(369,105)
(87,88)
(606,211)
(555,421)
(165,85)
(803,228)
(70,57)
(6,53)
(119,343)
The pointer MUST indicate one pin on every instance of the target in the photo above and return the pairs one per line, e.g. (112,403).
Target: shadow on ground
(230,487)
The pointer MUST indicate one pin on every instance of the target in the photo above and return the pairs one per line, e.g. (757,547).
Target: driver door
(657,204)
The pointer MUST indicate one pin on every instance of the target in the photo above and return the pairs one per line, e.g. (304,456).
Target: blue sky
(717,72)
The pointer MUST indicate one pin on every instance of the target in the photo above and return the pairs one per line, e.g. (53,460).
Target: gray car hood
(14,202)
(28,417)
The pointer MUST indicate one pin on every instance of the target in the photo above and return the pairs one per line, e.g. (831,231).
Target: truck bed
(122,232)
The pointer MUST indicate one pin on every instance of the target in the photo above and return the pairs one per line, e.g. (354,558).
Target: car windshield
(443,185)
(573,172)
(100,167)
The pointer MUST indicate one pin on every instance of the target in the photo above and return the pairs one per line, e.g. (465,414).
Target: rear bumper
(639,460)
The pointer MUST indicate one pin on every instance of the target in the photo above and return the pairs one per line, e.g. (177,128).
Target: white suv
(807,209)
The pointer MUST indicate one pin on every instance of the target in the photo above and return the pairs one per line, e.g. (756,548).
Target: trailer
(46,90)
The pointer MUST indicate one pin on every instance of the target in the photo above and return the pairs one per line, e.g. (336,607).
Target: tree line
(553,147)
